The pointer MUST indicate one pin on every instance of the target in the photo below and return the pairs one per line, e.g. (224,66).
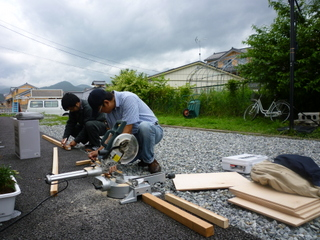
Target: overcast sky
(47,41)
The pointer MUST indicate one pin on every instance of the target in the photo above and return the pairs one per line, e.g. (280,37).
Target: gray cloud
(149,36)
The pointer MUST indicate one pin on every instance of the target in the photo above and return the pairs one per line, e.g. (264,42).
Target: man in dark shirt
(81,124)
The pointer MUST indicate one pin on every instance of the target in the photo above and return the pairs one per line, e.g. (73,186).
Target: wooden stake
(56,142)
(83,162)
(197,210)
(200,226)
(54,186)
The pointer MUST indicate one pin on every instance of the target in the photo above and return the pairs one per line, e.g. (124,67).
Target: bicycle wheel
(281,111)
(251,112)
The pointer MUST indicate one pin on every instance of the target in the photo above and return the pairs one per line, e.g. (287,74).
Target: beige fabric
(283,179)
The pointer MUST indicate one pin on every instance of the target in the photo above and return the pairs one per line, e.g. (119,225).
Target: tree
(155,92)
(270,48)
(130,80)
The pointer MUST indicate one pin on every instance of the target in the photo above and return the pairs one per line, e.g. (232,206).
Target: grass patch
(51,120)
(260,125)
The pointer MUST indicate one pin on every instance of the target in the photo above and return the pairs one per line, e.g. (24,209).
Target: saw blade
(125,148)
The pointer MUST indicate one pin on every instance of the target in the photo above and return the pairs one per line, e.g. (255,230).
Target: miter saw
(119,148)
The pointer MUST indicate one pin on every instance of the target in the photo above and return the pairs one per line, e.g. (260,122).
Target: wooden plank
(302,213)
(200,226)
(85,162)
(54,185)
(284,200)
(52,140)
(197,210)
(279,216)
(55,142)
(205,181)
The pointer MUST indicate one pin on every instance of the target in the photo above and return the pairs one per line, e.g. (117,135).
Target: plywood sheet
(287,201)
(302,213)
(280,216)
(205,181)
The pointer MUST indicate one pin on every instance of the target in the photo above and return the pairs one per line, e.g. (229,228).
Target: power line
(59,49)
(55,61)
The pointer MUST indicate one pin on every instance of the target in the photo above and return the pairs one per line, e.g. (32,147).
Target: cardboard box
(241,163)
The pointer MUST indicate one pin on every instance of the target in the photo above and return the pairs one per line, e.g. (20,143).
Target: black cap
(95,100)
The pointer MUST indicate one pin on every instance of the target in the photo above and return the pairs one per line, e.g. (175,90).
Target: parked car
(47,106)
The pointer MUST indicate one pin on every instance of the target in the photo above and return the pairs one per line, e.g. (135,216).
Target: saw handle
(113,133)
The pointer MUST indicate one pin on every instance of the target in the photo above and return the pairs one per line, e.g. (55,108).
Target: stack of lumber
(291,209)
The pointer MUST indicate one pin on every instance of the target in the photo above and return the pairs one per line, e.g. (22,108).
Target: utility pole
(292,60)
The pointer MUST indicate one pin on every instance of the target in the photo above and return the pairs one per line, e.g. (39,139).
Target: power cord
(38,204)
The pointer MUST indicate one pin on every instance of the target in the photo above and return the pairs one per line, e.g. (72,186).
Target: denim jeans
(148,135)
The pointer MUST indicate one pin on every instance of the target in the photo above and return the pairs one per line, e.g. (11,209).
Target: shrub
(6,181)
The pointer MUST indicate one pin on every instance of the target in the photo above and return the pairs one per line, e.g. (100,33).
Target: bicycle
(277,110)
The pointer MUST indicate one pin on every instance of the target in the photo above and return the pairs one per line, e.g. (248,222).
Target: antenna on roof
(198,41)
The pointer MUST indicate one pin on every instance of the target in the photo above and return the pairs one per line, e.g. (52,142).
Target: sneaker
(154,167)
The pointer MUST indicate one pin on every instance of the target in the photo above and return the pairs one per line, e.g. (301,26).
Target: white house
(199,75)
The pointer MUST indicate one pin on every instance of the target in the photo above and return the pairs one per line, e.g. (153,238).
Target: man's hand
(64,141)
(73,144)
(65,145)
(93,155)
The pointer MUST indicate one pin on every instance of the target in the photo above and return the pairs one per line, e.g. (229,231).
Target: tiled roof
(216,56)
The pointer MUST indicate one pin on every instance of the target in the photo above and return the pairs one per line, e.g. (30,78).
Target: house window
(227,62)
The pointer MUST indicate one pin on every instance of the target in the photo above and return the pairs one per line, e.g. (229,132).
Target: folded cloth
(283,179)
(304,166)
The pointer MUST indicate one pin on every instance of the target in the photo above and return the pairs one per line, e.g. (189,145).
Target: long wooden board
(54,185)
(287,201)
(205,181)
(280,216)
(85,162)
(55,142)
(200,226)
(198,211)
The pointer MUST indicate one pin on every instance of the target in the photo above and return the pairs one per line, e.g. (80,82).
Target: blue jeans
(148,135)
